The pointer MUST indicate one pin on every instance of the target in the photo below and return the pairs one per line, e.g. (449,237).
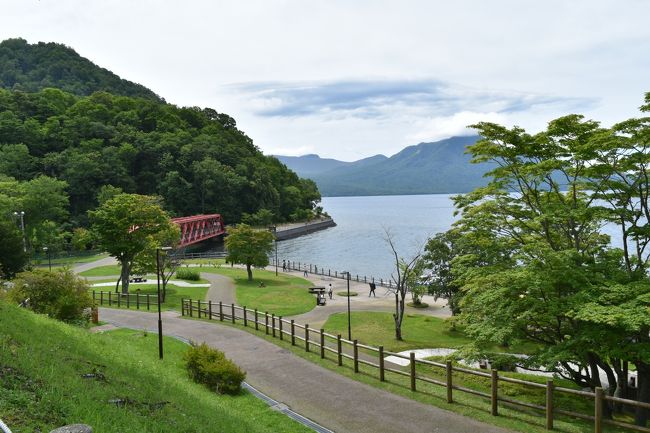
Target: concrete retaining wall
(310,227)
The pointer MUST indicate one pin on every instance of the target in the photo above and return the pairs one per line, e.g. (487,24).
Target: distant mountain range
(426,168)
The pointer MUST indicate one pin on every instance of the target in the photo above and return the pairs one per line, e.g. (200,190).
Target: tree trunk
(125,277)
(249,271)
(117,285)
(643,392)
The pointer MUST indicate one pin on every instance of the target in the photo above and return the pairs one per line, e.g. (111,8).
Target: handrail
(4,427)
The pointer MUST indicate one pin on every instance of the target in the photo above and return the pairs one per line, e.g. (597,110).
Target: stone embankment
(290,231)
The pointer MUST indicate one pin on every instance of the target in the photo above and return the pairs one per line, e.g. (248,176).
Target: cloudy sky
(349,79)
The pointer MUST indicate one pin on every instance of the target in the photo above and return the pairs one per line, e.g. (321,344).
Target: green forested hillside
(33,67)
(195,159)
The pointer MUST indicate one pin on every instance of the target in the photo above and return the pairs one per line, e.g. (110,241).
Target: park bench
(137,280)
(317,290)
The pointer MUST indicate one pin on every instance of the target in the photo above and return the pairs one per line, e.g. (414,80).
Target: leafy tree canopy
(249,247)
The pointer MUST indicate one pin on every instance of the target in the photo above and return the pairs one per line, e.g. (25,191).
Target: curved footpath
(332,400)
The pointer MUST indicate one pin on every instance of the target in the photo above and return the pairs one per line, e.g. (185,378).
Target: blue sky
(350,79)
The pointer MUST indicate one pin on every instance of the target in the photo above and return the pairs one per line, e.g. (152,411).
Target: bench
(137,280)
(317,290)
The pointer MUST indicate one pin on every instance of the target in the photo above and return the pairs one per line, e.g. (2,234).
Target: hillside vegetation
(126,388)
(34,67)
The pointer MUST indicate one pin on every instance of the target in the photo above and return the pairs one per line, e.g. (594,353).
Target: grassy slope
(41,363)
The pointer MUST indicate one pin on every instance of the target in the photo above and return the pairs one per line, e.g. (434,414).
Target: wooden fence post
(549,404)
(450,385)
(210,310)
(101,298)
(598,410)
(148,302)
(412,361)
(356,355)
(94,300)
(322,343)
(381,364)
(191,312)
(293,333)
(182,306)
(306,337)
(128,300)
(338,349)
(256,321)
(245,318)
(198,308)
(273,324)
(119,300)
(232,310)
(137,301)
(221,311)
(266,322)
(280,326)
(495,392)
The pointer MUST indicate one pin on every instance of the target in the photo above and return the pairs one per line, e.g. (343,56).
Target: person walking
(329,291)
(373,286)
(284,266)
(305,274)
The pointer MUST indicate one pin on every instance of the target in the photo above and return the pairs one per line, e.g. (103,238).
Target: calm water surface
(358,242)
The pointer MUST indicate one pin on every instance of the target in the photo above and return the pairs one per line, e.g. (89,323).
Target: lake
(358,242)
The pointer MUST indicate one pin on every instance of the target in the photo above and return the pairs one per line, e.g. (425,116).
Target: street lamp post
(160,335)
(21,214)
(274,230)
(347,275)
(49,259)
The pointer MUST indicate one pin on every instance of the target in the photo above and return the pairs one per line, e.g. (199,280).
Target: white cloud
(441,127)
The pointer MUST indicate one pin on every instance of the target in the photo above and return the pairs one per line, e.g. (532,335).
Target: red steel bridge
(198,228)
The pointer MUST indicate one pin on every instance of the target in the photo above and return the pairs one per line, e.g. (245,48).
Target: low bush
(188,274)
(211,367)
(60,294)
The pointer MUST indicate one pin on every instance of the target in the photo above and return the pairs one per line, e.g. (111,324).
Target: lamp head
(45,249)
(165,248)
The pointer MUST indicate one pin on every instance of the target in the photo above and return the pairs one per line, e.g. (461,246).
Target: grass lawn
(83,258)
(41,385)
(102,271)
(378,329)
(283,295)
(173,298)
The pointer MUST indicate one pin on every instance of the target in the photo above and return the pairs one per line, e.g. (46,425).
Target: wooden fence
(316,270)
(128,300)
(317,340)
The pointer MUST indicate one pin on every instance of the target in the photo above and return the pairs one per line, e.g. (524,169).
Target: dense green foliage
(34,67)
(535,264)
(249,247)
(42,387)
(211,367)
(188,274)
(60,294)
(129,227)
(196,159)
(12,257)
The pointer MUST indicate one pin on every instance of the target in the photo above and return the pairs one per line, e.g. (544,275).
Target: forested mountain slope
(33,67)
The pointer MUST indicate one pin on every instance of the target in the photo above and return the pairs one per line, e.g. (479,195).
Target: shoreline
(291,231)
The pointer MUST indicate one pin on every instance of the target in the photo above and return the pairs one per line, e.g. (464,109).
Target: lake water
(358,242)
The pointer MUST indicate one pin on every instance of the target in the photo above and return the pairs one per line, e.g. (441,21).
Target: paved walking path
(332,400)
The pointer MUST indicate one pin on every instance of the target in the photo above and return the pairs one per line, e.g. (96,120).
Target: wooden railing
(317,340)
(320,270)
(128,300)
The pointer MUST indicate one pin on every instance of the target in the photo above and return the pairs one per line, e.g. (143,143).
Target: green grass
(102,271)
(378,329)
(284,295)
(81,258)
(41,388)
(172,300)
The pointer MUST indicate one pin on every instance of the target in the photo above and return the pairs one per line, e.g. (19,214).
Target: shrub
(211,367)
(60,294)
(188,274)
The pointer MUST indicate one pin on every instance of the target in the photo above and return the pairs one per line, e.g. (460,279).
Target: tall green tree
(249,247)
(124,227)
(13,259)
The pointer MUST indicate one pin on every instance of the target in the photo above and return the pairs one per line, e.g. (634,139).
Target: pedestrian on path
(373,286)
(304,274)
(329,291)
(284,266)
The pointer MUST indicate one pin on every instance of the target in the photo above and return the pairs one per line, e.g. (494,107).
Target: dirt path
(334,401)
(221,288)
